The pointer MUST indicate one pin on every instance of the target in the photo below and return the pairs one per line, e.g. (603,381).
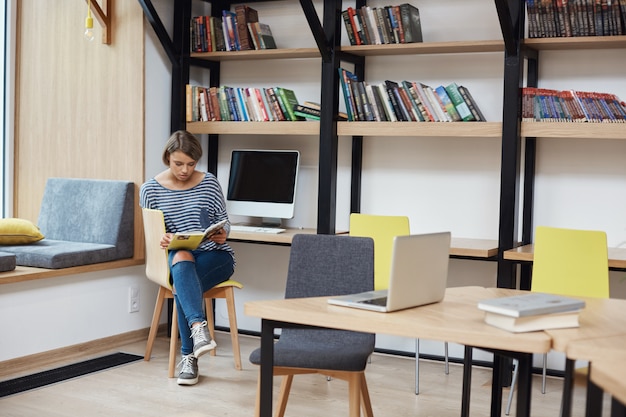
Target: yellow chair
(383,229)
(157,270)
(568,262)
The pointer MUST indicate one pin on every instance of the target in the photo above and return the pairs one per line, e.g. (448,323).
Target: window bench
(84,222)
(27,273)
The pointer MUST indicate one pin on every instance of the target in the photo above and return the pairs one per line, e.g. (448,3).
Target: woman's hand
(165,240)
(219,237)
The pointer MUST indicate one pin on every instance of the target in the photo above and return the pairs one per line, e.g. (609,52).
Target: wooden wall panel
(79,104)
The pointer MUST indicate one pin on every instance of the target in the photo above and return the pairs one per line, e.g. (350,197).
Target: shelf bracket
(317,30)
(103,17)
(506,24)
(156,23)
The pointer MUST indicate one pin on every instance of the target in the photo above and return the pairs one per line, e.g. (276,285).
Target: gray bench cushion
(84,221)
(7,261)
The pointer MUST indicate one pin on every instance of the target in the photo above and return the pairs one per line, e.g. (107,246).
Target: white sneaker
(202,342)
(188,370)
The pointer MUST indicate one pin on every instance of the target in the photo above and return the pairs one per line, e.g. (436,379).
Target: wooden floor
(143,389)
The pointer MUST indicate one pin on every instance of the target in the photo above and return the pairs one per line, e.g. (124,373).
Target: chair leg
(283,396)
(543,373)
(154,326)
(446,367)
(417,366)
(234,330)
(208,306)
(366,403)
(173,342)
(354,394)
(513,381)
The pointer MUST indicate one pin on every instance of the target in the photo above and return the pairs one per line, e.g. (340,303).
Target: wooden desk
(617,256)
(459,247)
(283,238)
(601,318)
(455,319)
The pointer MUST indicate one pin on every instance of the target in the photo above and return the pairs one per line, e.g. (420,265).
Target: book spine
(419,88)
(389,86)
(447,103)
(461,106)
(370,98)
(349,30)
(471,103)
(390,114)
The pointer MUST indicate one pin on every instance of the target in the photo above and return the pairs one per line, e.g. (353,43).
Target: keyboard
(382,301)
(255,229)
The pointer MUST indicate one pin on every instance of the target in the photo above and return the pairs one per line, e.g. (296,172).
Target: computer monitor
(262,183)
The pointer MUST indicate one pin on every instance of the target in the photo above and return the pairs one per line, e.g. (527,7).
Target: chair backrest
(324,265)
(382,229)
(157,268)
(570,262)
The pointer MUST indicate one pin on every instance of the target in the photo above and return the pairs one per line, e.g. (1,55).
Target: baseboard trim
(27,364)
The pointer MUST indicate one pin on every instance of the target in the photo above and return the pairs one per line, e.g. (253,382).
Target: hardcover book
(531,304)
(191,240)
(265,36)
(533,323)
(244,15)
(410,16)
(289,100)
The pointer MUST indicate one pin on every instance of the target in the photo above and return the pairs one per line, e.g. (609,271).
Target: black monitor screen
(263,176)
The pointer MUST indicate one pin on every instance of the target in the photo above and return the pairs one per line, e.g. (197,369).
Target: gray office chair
(324,265)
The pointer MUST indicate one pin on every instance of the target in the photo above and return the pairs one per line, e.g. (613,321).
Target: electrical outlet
(133,299)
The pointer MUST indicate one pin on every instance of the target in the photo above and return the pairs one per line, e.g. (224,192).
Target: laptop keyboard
(382,301)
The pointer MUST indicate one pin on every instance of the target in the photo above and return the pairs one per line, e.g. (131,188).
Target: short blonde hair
(183,141)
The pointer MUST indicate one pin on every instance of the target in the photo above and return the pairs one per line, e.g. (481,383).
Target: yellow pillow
(18,232)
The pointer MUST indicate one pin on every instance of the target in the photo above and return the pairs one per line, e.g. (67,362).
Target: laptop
(419,274)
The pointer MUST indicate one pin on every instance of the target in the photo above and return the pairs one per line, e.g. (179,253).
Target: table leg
(594,397)
(496,385)
(267,368)
(467,381)
(617,408)
(524,385)
(568,386)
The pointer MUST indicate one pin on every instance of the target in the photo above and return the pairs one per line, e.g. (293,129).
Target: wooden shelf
(474,248)
(423,48)
(617,256)
(256,128)
(574,130)
(454,129)
(293,53)
(576,43)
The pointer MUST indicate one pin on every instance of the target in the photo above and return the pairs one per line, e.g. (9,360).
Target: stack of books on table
(531,312)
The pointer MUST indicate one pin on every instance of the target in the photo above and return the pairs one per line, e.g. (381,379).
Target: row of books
(246,104)
(407,101)
(234,31)
(531,312)
(382,25)
(567,18)
(549,105)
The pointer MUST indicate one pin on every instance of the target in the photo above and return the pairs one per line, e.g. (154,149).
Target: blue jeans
(191,280)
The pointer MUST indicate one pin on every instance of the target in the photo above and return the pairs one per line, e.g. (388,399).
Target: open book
(191,240)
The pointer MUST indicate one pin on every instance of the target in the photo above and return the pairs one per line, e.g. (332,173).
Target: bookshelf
(522,67)
(328,130)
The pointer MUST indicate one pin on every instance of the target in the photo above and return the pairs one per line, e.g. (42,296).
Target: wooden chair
(324,265)
(568,262)
(157,270)
(383,229)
